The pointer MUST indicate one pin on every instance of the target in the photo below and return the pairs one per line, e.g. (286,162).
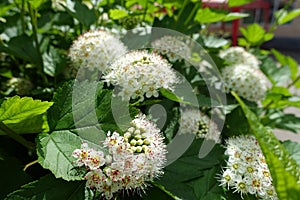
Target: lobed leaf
(24,115)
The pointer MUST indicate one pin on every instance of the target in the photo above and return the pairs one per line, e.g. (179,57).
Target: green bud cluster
(203,127)
(136,137)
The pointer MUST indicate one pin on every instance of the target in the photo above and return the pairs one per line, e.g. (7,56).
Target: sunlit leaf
(117,14)
(283,16)
(24,115)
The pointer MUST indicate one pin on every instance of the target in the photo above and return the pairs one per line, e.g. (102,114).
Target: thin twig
(16,137)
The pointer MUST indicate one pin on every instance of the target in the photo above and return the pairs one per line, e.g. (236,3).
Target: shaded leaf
(55,153)
(48,187)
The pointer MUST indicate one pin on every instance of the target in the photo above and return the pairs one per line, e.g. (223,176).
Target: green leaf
(283,121)
(79,105)
(170,95)
(207,15)
(207,187)
(214,42)
(55,153)
(234,16)
(12,174)
(190,177)
(48,187)
(283,168)
(294,149)
(233,3)
(16,109)
(283,16)
(82,13)
(24,115)
(116,14)
(287,61)
(23,47)
(255,34)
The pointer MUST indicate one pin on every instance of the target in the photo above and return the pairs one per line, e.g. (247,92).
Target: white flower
(139,73)
(173,47)
(247,82)
(246,170)
(195,122)
(95,50)
(238,55)
(131,160)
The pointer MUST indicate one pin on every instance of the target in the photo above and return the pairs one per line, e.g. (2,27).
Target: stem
(23,16)
(162,188)
(294,82)
(29,165)
(182,8)
(34,29)
(191,14)
(40,67)
(16,137)
(145,10)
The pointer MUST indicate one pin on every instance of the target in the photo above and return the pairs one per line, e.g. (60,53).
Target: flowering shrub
(92,110)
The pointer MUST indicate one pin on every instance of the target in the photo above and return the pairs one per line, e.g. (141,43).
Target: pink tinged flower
(82,155)
(96,159)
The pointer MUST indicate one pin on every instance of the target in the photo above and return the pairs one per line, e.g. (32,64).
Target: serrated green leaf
(24,115)
(117,14)
(16,109)
(255,35)
(283,168)
(55,153)
(48,187)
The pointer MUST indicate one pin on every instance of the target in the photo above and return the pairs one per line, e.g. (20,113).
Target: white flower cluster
(249,83)
(140,73)
(127,162)
(247,170)
(238,55)
(195,122)
(95,50)
(173,47)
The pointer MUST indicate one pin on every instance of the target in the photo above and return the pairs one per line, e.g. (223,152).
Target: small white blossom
(131,160)
(173,47)
(247,82)
(195,122)
(140,74)
(246,170)
(95,50)
(238,55)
